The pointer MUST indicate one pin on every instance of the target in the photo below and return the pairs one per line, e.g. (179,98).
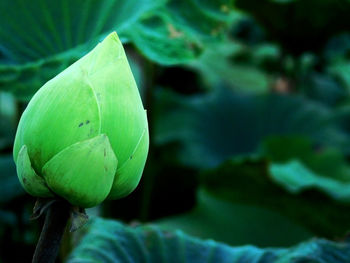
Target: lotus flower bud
(84,135)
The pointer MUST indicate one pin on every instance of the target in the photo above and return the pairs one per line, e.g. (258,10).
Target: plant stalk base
(50,238)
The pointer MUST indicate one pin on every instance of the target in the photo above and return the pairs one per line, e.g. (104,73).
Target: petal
(129,175)
(123,117)
(31,182)
(83,173)
(64,111)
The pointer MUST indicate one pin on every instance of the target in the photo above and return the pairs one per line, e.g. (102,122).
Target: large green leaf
(178,32)
(296,178)
(38,38)
(212,128)
(40,29)
(326,161)
(218,218)
(217,67)
(298,166)
(289,169)
(60,32)
(289,189)
(111,241)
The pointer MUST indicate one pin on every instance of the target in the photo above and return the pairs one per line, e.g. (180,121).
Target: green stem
(50,238)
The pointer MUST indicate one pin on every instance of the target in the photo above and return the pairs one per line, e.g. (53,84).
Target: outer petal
(129,175)
(64,111)
(31,182)
(83,173)
(123,117)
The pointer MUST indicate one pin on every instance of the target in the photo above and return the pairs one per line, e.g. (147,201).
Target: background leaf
(167,34)
(327,161)
(218,67)
(236,223)
(295,177)
(180,31)
(61,25)
(211,128)
(108,241)
(60,33)
(255,181)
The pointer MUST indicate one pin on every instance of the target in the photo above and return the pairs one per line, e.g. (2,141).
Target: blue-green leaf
(38,39)
(217,67)
(217,218)
(287,190)
(180,31)
(213,127)
(111,241)
(296,178)
(60,32)
(326,161)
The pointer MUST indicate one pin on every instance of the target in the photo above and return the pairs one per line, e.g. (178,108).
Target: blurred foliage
(299,25)
(108,241)
(249,112)
(9,183)
(257,182)
(220,65)
(60,33)
(218,125)
(179,31)
(235,222)
(59,36)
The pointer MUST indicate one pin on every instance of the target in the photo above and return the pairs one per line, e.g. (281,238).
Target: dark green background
(249,113)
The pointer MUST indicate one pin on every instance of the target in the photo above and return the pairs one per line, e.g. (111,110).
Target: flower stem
(50,238)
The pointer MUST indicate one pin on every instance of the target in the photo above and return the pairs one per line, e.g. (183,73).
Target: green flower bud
(84,135)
